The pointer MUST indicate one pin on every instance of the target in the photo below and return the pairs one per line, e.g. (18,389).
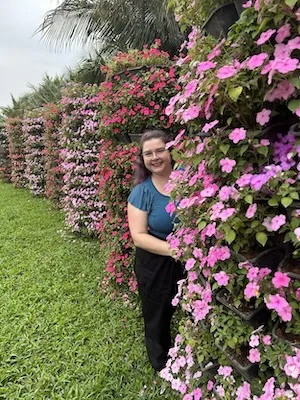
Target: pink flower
(280,305)
(225,192)
(210,385)
(227,164)
(283,32)
(251,290)
(292,366)
(222,278)
(209,125)
(277,222)
(256,61)
(247,4)
(297,233)
(294,44)
(254,356)
(244,392)
(191,113)
(263,117)
(237,135)
(251,211)
(225,371)
(226,72)
(280,280)
(286,65)
(254,341)
(267,340)
(190,264)
(205,65)
(252,273)
(226,213)
(283,91)
(190,88)
(265,36)
(244,180)
(257,5)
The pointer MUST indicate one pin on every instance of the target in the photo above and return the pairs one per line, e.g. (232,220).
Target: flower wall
(5,163)
(33,132)
(116,168)
(16,151)
(53,162)
(237,197)
(80,141)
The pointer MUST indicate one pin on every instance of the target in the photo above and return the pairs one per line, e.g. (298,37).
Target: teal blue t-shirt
(146,197)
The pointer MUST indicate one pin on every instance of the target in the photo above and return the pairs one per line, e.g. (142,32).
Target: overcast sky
(24,58)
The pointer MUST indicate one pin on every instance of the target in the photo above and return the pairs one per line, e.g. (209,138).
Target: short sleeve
(139,198)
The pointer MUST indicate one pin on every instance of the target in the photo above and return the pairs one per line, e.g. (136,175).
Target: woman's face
(156,158)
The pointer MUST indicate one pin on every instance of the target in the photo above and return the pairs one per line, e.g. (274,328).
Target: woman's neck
(160,181)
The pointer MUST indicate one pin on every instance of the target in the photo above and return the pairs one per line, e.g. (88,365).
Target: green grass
(60,337)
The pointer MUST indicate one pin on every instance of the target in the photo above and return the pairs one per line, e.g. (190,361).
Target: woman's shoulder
(140,195)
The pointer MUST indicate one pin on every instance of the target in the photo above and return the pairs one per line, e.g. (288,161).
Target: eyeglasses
(158,152)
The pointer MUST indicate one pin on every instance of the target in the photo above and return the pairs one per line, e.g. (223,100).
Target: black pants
(157,278)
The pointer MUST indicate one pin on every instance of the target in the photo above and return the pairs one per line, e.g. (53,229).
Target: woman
(156,271)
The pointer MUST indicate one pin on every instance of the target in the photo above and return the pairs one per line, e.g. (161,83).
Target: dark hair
(141,172)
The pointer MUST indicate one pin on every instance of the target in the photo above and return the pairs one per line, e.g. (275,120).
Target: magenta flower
(280,280)
(254,341)
(251,211)
(226,213)
(210,125)
(277,222)
(190,264)
(227,164)
(294,44)
(205,65)
(286,65)
(222,278)
(226,72)
(267,340)
(251,290)
(297,233)
(210,385)
(254,356)
(225,371)
(283,32)
(256,61)
(191,113)
(265,36)
(237,135)
(252,273)
(190,88)
(248,4)
(280,305)
(263,117)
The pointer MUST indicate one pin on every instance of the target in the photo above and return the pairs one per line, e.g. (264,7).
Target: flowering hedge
(136,98)
(80,140)
(5,163)
(33,132)
(16,151)
(116,166)
(53,162)
(237,198)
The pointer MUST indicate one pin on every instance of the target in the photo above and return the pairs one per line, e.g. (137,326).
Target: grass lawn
(60,338)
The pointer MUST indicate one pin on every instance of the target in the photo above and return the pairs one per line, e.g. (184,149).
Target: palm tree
(88,70)
(110,25)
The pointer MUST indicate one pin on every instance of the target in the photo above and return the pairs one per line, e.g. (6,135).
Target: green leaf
(290,3)
(235,92)
(293,104)
(230,236)
(229,120)
(249,199)
(262,238)
(263,150)
(286,201)
(243,149)
(201,225)
(294,195)
(263,25)
(295,81)
(224,148)
(273,202)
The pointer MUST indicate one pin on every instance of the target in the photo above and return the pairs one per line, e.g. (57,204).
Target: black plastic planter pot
(240,362)
(279,333)
(252,316)
(270,258)
(291,267)
(239,6)
(220,20)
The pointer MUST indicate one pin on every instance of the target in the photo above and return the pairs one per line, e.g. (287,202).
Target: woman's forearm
(152,244)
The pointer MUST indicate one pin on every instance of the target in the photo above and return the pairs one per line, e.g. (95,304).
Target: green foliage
(60,337)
